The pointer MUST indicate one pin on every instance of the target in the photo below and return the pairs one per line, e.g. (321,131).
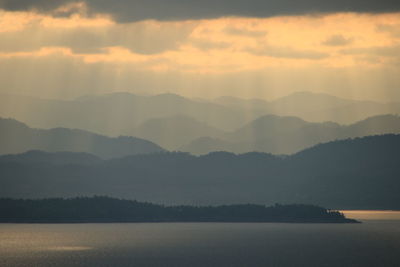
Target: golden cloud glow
(15,21)
(346,42)
(219,45)
(42,52)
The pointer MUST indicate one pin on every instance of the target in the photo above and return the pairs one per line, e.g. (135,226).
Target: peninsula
(101,209)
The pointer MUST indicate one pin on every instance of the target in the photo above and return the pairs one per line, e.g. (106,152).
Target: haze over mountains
(320,166)
(270,134)
(173,132)
(315,107)
(283,126)
(288,135)
(16,137)
(348,174)
(122,113)
(116,114)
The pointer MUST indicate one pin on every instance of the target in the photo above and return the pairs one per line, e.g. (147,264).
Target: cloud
(143,37)
(394,30)
(57,75)
(79,54)
(136,10)
(287,52)
(39,5)
(386,55)
(244,32)
(383,51)
(337,40)
(208,45)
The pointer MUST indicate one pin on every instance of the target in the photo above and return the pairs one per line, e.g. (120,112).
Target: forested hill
(105,209)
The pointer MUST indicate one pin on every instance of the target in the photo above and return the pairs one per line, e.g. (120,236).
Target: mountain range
(360,173)
(270,134)
(123,113)
(118,113)
(314,107)
(117,145)
(288,135)
(16,137)
(173,132)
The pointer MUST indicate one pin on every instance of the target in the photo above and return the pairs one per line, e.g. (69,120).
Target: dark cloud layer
(135,10)
(39,5)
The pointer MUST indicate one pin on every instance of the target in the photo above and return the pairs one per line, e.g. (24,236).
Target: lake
(372,243)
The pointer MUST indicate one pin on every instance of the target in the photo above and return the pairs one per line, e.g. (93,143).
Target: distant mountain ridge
(314,107)
(16,137)
(270,134)
(172,132)
(122,113)
(360,173)
(118,113)
(283,126)
(288,135)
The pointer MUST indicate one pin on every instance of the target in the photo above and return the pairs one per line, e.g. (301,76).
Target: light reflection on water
(372,214)
(373,243)
(67,248)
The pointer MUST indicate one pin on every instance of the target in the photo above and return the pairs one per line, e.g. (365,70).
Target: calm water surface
(373,243)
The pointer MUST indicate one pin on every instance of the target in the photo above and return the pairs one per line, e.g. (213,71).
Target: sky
(250,49)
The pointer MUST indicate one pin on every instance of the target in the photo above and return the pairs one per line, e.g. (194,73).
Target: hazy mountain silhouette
(288,135)
(359,173)
(204,145)
(121,113)
(118,113)
(252,103)
(380,124)
(16,137)
(290,105)
(271,134)
(172,132)
(314,107)
(177,123)
(309,102)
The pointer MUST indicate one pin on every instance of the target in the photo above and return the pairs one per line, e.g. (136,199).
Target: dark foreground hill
(105,209)
(16,137)
(361,173)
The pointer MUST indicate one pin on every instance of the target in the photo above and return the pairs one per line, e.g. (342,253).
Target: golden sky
(355,55)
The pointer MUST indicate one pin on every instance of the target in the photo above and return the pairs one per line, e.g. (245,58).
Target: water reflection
(372,214)
(68,248)
(370,244)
